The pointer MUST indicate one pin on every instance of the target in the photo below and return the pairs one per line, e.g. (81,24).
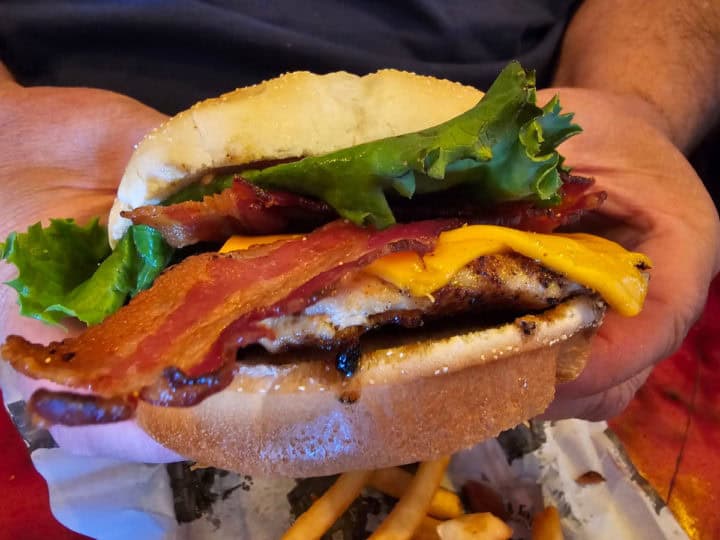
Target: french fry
(317,519)
(427,529)
(410,509)
(482,526)
(394,481)
(546,525)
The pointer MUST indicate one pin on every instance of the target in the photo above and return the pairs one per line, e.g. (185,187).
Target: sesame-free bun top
(295,115)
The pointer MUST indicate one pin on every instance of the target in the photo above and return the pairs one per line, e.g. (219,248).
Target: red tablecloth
(24,506)
(671,430)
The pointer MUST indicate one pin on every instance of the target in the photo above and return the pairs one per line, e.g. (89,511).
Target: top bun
(295,115)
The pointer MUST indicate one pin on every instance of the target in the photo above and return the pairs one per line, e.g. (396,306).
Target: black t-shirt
(170,54)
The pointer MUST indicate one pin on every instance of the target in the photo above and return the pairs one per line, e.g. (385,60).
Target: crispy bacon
(185,330)
(247,209)
(575,202)
(523,215)
(240,209)
(72,409)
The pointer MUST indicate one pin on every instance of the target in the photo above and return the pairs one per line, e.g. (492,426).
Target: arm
(663,56)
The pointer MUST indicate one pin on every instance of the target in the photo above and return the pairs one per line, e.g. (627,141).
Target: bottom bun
(407,402)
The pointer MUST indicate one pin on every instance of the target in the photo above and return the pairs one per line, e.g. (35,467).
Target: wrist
(636,103)
(646,110)
(616,105)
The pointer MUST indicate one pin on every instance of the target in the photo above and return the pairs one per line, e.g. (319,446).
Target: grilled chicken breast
(361,302)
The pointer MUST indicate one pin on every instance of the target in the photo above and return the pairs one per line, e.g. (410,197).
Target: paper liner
(107,499)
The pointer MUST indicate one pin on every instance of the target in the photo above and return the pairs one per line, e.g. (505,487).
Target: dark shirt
(170,54)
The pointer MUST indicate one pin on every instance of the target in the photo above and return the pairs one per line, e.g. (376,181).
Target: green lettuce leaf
(503,149)
(68,270)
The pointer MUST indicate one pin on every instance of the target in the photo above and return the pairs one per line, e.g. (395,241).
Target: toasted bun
(409,402)
(295,115)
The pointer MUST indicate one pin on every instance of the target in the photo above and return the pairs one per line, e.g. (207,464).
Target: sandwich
(324,273)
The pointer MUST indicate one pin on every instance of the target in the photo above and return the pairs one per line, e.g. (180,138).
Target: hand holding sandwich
(630,172)
(658,72)
(62,152)
(657,205)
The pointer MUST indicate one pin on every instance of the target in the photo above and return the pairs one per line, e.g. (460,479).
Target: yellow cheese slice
(613,272)
(238,243)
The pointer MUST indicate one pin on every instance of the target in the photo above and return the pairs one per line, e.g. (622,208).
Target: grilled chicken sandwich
(330,273)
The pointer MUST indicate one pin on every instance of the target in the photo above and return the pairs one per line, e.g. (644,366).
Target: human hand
(657,205)
(62,153)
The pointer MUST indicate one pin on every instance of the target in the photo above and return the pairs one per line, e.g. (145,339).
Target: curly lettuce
(67,270)
(503,149)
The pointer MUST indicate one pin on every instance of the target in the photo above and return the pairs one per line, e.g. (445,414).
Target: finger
(679,283)
(601,406)
(66,151)
(625,347)
(39,200)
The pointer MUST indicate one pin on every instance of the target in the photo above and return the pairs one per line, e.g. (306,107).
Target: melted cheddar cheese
(596,263)
(239,243)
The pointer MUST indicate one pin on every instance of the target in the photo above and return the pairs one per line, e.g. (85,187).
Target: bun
(295,415)
(295,115)
(408,402)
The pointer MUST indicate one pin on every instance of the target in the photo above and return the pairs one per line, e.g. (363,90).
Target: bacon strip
(576,201)
(188,327)
(78,409)
(247,209)
(241,209)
